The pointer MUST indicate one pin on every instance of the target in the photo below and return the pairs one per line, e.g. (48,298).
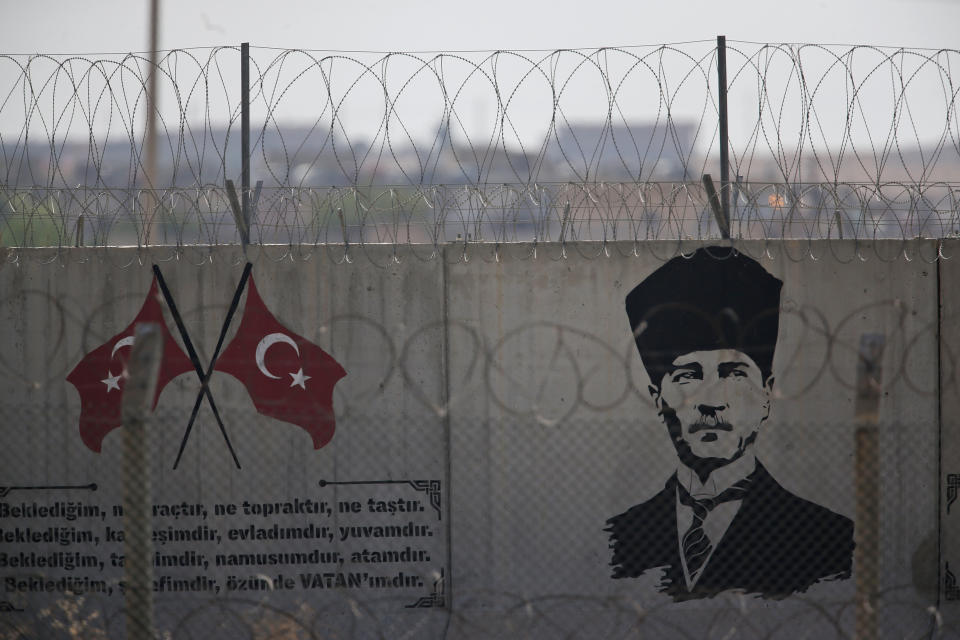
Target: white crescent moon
(268,341)
(123,342)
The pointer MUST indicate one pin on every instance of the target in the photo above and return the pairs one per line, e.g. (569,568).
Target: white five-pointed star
(299,379)
(112,382)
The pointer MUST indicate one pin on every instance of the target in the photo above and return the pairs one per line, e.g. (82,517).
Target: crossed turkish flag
(287,376)
(101,376)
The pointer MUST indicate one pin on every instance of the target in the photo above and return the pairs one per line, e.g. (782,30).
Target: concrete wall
(509,375)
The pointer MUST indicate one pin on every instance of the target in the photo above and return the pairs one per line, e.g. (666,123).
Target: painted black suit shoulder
(778,544)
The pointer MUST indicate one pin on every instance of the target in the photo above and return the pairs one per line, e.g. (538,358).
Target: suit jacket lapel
(667,541)
(656,529)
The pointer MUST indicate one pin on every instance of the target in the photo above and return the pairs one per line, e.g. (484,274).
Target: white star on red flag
(299,379)
(111,381)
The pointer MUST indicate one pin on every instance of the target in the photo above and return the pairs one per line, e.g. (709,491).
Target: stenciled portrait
(706,328)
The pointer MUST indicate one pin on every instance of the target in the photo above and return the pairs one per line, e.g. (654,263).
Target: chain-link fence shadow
(518,546)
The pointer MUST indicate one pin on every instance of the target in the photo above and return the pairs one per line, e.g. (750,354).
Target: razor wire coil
(827,142)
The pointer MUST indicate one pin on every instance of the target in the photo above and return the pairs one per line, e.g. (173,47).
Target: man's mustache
(710,424)
(705,423)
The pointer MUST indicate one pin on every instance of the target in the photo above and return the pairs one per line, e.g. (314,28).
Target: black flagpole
(194,358)
(205,376)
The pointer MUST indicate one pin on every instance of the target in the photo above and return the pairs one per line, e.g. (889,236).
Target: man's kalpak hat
(717,298)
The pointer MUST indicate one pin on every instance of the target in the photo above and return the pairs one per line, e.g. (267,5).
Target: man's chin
(717,454)
(718,447)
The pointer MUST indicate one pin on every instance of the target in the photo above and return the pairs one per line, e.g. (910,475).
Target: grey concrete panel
(388,434)
(559,432)
(949,459)
(507,373)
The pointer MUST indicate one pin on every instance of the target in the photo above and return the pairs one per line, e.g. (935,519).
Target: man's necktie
(695,543)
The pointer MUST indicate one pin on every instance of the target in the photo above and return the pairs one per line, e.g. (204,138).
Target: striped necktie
(695,543)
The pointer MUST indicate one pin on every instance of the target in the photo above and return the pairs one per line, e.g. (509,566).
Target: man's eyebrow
(726,367)
(690,366)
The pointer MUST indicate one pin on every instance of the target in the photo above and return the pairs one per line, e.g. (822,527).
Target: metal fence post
(143,369)
(152,202)
(724,134)
(245,132)
(866,421)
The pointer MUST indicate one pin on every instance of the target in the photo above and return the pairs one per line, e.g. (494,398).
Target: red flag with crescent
(287,376)
(101,375)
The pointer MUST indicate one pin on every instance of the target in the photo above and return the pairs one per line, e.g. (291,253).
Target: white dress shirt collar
(720,480)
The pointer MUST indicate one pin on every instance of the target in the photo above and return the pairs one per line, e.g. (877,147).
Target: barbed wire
(798,113)
(559,615)
(605,376)
(435,215)
(454,155)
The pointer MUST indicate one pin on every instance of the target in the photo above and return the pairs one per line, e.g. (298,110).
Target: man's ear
(768,390)
(655,394)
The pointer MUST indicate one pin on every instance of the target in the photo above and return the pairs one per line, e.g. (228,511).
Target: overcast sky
(119,26)
(51,26)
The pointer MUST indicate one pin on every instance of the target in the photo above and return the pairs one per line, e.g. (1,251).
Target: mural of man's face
(713,403)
